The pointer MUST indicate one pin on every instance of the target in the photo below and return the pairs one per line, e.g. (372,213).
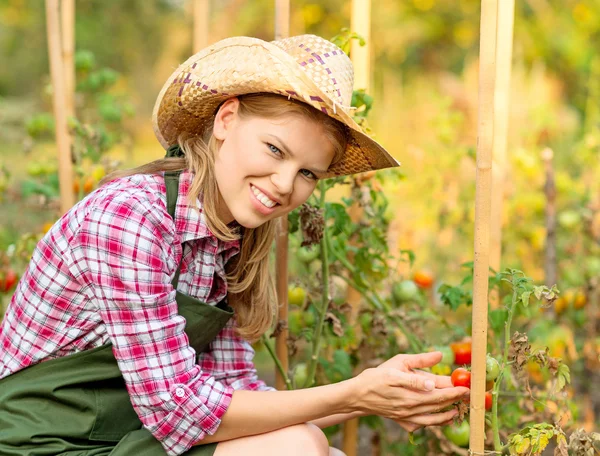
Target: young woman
(128,334)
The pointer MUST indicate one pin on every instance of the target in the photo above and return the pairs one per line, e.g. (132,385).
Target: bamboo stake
(550,192)
(201,13)
(483,193)
(67,9)
(282,30)
(360,23)
(65,164)
(282,19)
(504,44)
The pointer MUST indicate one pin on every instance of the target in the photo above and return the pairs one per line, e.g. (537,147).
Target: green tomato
(447,355)
(84,60)
(296,296)
(35,169)
(308,254)
(441,369)
(458,434)
(295,322)
(492,368)
(309,318)
(569,219)
(300,375)
(404,291)
(592,266)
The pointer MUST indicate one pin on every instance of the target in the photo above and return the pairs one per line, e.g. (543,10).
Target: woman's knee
(308,437)
(299,440)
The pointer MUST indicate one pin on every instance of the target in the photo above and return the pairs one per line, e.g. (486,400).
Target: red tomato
(462,352)
(488,400)
(461,377)
(10,279)
(424,279)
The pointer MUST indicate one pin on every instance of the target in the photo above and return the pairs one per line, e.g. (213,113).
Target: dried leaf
(335,323)
(312,223)
(279,327)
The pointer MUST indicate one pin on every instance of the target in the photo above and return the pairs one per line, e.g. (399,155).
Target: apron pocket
(115,416)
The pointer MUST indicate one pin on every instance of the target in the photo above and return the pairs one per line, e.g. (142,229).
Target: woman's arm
(386,392)
(257,412)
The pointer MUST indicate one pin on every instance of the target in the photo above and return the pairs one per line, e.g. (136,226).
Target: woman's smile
(262,202)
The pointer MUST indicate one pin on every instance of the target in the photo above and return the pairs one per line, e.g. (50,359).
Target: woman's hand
(410,397)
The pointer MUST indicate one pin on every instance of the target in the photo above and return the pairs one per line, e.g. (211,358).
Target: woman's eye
(309,174)
(274,149)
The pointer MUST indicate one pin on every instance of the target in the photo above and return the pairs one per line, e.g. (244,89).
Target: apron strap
(172,184)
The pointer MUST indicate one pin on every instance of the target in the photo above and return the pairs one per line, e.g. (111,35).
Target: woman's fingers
(409,380)
(431,408)
(408,426)
(421,360)
(430,419)
(441,381)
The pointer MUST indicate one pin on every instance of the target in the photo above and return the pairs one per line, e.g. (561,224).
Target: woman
(120,339)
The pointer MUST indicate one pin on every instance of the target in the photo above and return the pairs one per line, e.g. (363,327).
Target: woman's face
(266,168)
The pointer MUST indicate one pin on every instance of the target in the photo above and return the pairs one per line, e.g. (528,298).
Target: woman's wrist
(348,394)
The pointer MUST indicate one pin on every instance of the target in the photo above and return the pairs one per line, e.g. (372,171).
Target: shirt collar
(191,222)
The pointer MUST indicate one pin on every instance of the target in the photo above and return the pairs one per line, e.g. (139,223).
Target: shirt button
(180,392)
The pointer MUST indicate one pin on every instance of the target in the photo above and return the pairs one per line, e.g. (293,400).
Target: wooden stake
(282,30)
(201,13)
(65,164)
(67,10)
(282,19)
(504,44)
(360,23)
(483,193)
(550,191)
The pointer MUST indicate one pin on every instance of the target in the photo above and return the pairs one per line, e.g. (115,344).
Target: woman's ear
(225,117)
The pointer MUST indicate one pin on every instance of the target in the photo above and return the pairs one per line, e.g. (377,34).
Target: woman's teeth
(262,197)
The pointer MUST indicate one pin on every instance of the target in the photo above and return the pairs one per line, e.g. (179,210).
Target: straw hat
(306,68)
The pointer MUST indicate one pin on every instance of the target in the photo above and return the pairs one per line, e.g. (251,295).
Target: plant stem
(283,373)
(316,341)
(495,391)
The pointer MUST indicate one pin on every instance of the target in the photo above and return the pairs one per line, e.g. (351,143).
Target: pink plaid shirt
(103,274)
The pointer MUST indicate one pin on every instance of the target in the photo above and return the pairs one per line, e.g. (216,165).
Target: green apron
(78,405)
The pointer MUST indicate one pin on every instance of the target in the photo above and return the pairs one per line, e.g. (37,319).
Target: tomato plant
(461,377)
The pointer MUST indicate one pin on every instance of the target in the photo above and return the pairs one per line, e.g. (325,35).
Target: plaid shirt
(103,274)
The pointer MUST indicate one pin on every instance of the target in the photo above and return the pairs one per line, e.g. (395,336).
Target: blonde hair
(250,285)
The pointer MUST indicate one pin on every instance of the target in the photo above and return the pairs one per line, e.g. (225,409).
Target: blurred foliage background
(424,78)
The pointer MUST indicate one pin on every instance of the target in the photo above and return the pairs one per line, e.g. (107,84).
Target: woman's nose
(283,180)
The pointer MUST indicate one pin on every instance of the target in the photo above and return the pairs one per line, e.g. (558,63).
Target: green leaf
(564,377)
(410,254)
(497,319)
(525,298)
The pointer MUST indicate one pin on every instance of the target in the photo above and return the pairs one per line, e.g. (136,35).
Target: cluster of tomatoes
(460,354)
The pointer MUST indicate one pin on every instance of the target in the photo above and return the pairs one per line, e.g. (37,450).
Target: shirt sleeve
(230,358)
(125,253)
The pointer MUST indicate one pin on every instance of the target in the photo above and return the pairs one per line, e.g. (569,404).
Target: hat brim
(243,65)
